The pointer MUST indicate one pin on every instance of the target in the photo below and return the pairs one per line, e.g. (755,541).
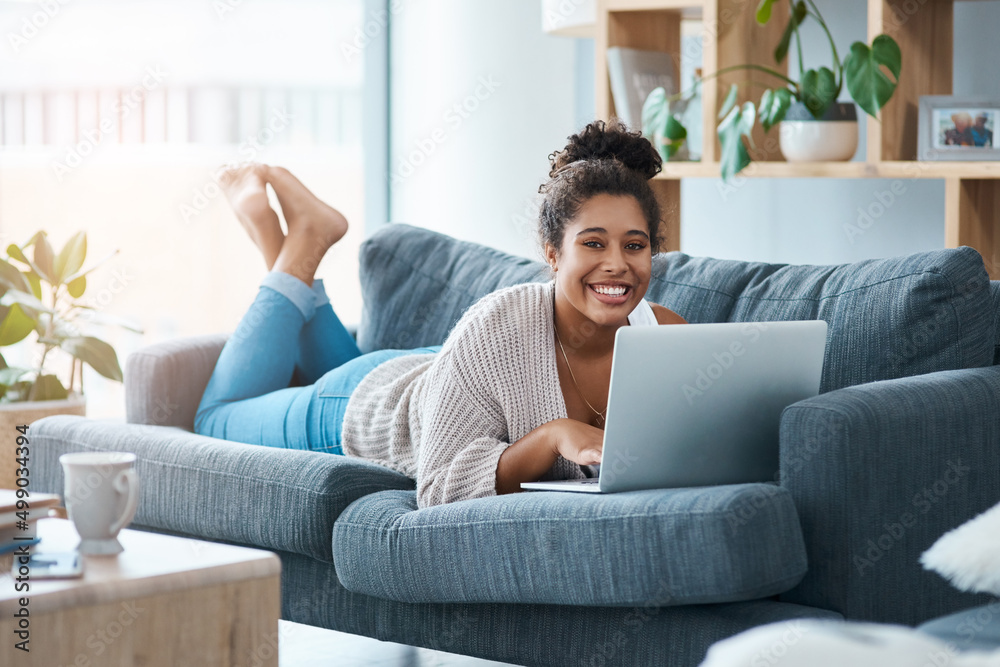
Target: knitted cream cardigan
(446,418)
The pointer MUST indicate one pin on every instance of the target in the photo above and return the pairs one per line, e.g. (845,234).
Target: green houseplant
(40,292)
(865,70)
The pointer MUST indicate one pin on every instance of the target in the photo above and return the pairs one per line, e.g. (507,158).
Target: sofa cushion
(663,546)
(888,318)
(416,284)
(995,291)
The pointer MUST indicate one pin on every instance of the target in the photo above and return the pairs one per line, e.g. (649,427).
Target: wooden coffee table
(163,601)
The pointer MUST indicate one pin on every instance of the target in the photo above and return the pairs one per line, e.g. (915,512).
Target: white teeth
(610,291)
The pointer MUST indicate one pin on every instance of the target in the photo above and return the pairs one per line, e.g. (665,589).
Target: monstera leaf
(737,124)
(773,107)
(675,135)
(819,90)
(794,21)
(867,83)
(729,102)
(655,110)
(764,11)
(661,126)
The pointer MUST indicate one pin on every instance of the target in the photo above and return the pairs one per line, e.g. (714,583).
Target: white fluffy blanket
(969,556)
(816,643)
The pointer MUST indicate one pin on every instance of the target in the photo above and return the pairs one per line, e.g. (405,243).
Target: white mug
(101,493)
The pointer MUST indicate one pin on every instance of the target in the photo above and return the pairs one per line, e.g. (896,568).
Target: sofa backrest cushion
(888,318)
(995,290)
(416,284)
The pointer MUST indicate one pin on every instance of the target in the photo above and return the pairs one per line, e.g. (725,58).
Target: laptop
(700,404)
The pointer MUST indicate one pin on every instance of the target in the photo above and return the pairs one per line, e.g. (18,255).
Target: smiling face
(604,264)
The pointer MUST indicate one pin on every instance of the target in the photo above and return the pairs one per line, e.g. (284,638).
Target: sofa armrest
(880,471)
(164,382)
(216,489)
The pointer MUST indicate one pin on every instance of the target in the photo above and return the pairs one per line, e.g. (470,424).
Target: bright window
(115,117)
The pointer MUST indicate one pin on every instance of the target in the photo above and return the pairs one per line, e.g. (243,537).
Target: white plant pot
(16,414)
(833,138)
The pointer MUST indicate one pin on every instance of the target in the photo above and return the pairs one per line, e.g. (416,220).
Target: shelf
(899,169)
(731,36)
(689,9)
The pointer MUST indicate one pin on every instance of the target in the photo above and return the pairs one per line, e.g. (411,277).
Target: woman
(517,392)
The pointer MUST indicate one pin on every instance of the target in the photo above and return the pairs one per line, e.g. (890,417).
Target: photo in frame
(958,128)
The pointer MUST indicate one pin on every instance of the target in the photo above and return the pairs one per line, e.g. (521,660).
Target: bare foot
(246,190)
(304,212)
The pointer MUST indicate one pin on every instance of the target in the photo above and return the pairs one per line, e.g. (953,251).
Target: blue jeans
(289,336)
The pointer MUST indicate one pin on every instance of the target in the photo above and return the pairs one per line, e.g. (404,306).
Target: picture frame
(958,128)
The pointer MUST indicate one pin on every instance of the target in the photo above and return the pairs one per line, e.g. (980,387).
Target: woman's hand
(576,441)
(533,455)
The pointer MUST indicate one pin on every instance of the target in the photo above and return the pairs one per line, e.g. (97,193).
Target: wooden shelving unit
(730,36)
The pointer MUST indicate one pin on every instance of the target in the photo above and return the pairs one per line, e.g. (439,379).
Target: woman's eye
(633,246)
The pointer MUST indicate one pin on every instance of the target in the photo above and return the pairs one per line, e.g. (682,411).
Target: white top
(642,315)
(446,418)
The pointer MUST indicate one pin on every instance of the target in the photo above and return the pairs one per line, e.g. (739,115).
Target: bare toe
(305,212)
(246,189)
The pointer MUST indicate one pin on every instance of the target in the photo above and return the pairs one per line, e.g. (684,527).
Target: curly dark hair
(605,158)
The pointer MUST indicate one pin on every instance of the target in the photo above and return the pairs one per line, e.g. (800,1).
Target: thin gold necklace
(600,415)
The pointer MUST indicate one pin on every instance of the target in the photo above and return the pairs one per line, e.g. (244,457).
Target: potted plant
(813,125)
(40,292)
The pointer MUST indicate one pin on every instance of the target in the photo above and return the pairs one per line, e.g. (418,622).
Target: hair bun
(603,141)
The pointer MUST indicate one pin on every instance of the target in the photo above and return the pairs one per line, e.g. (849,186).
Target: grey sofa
(901,445)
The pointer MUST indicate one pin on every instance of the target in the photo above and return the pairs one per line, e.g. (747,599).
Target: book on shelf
(634,74)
